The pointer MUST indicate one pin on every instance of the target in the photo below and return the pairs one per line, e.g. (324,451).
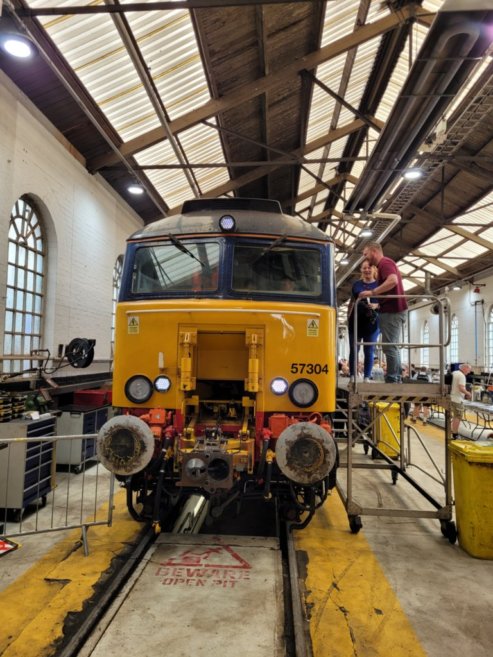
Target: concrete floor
(446,594)
(398,587)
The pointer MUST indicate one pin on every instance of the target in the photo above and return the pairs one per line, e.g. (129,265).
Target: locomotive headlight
(227,223)
(138,389)
(162,384)
(279,386)
(303,393)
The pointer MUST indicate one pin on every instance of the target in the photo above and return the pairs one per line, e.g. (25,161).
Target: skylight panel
(487,234)
(172,184)
(93,48)
(467,250)
(202,145)
(408,284)
(340,18)
(442,241)
(480,213)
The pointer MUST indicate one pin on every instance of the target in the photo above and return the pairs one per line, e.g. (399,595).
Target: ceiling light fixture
(366,232)
(344,261)
(412,174)
(17,45)
(135,189)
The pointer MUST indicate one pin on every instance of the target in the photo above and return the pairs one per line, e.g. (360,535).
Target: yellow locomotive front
(225,360)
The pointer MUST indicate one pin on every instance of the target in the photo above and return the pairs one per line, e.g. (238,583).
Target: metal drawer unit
(27,470)
(73,422)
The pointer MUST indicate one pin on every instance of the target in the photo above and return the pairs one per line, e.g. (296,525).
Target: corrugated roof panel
(405,268)
(172,184)
(408,284)
(202,145)
(421,264)
(93,48)
(453,262)
(322,106)
(434,269)
(487,234)
(340,18)
(170,50)
(480,213)
(440,242)
(468,249)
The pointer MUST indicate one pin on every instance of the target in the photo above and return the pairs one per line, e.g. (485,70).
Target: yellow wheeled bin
(387,427)
(473,487)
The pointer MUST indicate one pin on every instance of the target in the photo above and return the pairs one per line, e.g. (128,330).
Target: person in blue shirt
(368,328)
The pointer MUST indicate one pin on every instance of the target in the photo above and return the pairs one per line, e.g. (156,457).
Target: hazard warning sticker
(133,324)
(199,566)
(312,328)
(7,546)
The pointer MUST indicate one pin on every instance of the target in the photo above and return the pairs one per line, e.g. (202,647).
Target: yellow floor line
(34,607)
(354,610)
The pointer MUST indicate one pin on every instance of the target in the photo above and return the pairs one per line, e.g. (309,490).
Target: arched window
(425,358)
(25,285)
(490,341)
(117,279)
(454,340)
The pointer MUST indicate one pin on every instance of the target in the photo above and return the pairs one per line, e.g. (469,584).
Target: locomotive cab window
(277,269)
(176,267)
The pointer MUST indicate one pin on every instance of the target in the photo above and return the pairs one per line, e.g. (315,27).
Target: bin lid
(479,451)
(385,405)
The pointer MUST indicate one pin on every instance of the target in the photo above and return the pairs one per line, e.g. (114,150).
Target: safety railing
(37,495)
(385,438)
(438,304)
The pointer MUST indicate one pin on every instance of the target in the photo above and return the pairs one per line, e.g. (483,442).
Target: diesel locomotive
(224,363)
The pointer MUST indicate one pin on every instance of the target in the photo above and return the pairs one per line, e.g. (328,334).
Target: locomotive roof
(251,216)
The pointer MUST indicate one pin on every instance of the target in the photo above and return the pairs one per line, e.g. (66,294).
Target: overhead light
(412,174)
(456,287)
(135,189)
(17,46)
(344,261)
(366,232)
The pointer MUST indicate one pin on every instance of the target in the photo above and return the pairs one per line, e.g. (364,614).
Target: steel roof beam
(473,237)
(262,85)
(233,185)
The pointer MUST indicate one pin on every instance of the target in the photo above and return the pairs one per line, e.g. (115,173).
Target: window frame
(25,285)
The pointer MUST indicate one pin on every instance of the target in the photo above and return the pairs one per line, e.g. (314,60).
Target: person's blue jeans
(391,325)
(368,352)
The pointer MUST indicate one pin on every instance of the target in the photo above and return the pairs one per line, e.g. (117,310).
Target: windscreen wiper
(269,248)
(181,247)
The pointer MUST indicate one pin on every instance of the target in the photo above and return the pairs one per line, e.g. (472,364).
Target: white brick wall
(86,223)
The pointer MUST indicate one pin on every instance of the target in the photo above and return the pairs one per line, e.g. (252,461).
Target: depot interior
(371,120)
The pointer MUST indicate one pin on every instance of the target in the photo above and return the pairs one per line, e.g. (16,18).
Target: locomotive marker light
(305,453)
(162,384)
(125,445)
(279,386)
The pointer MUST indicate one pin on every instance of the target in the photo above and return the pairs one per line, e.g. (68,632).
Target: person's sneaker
(425,422)
(367,380)
(413,420)
(351,379)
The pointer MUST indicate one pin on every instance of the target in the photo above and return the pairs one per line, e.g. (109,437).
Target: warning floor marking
(7,546)
(218,566)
